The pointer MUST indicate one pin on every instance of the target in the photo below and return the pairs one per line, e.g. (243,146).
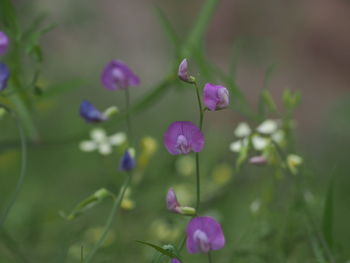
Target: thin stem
(128,118)
(110,219)
(200,106)
(23,168)
(198,190)
(209,257)
(308,214)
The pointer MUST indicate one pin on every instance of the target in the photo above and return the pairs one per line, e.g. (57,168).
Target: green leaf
(169,29)
(265,96)
(166,250)
(87,204)
(8,16)
(327,222)
(195,36)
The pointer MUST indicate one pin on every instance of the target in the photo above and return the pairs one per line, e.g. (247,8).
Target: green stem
(209,257)
(110,219)
(307,211)
(23,168)
(198,190)
(128,118)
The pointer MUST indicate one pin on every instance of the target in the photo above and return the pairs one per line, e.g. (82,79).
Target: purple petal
(90,113)
(175,260)
(209,229)
(127,163)
(117,75)
(215,97)
(4,76)
(183,137)
(171,201)
(4,43)
(183,70)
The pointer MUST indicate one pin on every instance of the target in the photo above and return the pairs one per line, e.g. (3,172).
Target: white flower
(237,145)
(278,136)
(259,142)
(268,127)
(242,130)
(101,142)
(255,206)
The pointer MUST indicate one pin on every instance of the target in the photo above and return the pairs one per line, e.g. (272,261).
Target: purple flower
(171,202)
(90,113)
(127,163)
(4,43)
(117,75)
(203,234)
(216,97)
(4,76)
(183,72)
(182,137)
(175,260)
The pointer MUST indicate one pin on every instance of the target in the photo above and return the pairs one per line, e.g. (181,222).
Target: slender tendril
(110,219)
(23,167)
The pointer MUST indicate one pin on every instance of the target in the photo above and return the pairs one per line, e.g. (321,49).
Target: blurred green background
(308,42)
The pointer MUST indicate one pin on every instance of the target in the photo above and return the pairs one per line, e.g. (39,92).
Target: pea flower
(174,206)
(204,234)
(4,43)
(183,72)
(4,76)
(171,201)
(90,113)
(117,75)
(175,260)
(127,163)
(215,97)
(183,137)
(101,142)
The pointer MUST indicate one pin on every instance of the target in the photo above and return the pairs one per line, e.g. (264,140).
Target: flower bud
(4,76)
(4,43)
(183,72)
(258,160)
(127,163)
(90,113)
(110,111)
(171,202)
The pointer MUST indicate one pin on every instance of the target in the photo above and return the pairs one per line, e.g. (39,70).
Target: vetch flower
(293,162)
(90,113)
(101,142)
(117,75)
(171,201)
(183,72)
(242,130)
(268,127)
(183,137)
(175,260)
(215,97)
(4,43)
(127,162)
(4,76)
(174,206)
(204,234)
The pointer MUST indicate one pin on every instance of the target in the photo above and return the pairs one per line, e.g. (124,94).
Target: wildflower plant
(264,141)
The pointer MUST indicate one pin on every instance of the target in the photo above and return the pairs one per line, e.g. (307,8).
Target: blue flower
(4,76)
(127,163)
(90,113)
